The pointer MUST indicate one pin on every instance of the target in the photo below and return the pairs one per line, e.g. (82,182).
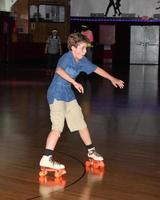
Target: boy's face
(80,50)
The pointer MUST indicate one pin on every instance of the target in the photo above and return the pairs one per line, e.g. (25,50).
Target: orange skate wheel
(57,174)
(42,179)
(95,164)
(64,171)
(88,169)
(88,164)
(96,171)
(58,180)
(101,164)
(102,172)
(42,173)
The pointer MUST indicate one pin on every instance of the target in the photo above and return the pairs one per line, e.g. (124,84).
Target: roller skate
(47,164)
(98,173)
(95,159)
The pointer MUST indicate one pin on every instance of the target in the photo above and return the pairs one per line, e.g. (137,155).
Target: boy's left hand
(79,87)
(117,83)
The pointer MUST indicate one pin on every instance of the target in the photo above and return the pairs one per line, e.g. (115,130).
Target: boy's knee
(56,131)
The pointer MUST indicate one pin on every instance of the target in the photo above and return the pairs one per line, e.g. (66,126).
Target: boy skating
(62,102)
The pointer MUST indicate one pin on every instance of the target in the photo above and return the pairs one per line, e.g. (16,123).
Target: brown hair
(75,38)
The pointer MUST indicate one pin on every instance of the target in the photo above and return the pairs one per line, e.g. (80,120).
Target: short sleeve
(87,66)
(63,61)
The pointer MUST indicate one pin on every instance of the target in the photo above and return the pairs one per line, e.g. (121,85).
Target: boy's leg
(75,121)
(52,139)
(57,118)
(85,136)
(47,158)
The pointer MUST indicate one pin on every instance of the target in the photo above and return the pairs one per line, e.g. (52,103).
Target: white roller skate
(95,159)
(47,164)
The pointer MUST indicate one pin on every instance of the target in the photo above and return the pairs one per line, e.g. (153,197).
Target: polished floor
(124,125)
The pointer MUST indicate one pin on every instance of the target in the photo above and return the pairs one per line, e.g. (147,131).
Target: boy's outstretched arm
(116,82)
(68,78)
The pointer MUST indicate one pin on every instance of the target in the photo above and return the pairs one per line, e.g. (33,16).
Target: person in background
(53,49)
(89,34)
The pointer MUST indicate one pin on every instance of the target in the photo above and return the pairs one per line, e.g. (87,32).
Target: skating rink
(124,126)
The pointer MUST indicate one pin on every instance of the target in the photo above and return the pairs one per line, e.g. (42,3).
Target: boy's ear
(73,48)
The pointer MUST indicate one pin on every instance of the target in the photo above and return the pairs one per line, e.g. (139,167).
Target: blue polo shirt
(60,89)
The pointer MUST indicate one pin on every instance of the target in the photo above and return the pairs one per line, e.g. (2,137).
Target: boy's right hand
(79,87)
(117,83)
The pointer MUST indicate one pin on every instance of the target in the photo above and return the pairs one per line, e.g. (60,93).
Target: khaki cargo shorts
(69,111)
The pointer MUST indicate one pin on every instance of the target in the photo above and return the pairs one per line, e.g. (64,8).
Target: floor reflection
(94,178)
(49,184)
(143,84)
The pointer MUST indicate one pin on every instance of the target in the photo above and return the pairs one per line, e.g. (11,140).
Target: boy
(62,102)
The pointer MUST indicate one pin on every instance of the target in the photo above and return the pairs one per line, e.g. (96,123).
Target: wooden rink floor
(124,125)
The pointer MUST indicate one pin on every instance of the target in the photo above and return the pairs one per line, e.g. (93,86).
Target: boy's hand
(117,83)
(79,87)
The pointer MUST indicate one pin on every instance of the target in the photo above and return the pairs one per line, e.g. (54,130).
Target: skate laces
(93,151)
(54,162)
(57,163)
(96,154)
